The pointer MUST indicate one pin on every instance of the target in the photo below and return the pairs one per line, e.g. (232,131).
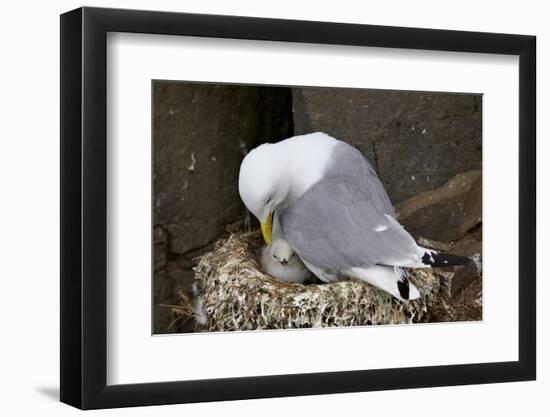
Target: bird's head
(282,252)
(264,184)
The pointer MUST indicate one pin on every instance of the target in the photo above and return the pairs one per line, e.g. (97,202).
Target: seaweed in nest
(232,293)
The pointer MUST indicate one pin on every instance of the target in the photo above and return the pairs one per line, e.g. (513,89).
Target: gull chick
(280,261)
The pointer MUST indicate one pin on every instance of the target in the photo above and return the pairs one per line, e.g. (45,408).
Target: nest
(232,293)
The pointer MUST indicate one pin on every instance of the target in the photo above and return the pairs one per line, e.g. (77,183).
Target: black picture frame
(84,207)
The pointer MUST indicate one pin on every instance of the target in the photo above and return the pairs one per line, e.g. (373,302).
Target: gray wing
(352,167)
(338,225)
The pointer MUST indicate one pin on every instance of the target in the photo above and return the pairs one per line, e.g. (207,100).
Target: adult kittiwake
(334,212)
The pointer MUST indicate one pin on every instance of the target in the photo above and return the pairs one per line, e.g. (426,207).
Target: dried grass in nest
(232,293)
(182,311)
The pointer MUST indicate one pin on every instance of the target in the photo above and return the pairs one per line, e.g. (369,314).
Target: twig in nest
(182,311)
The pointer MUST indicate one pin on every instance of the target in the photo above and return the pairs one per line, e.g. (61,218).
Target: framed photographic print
(257,208)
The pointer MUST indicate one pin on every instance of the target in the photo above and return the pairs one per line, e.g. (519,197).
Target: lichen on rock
(233,293)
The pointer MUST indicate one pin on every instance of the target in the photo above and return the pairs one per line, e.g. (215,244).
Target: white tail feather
(385,278)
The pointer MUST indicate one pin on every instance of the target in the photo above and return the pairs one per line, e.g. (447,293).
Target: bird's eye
(268,201)
(274,256)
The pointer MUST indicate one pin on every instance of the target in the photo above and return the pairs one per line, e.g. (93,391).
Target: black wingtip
(438,260)
(404,288)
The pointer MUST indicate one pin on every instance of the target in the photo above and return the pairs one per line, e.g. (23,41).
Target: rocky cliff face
(416,141)
(200,135)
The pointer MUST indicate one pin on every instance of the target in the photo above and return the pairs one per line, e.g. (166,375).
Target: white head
(280,261)
(282,252)
(264,183)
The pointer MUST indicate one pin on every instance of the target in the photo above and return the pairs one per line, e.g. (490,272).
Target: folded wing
(338,225)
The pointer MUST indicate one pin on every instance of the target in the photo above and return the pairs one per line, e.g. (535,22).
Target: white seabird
(280,261)
(334,212)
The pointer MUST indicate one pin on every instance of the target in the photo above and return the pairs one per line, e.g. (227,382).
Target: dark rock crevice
(201,132)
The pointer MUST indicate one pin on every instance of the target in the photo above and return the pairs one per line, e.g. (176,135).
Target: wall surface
(29,213)
(414,140)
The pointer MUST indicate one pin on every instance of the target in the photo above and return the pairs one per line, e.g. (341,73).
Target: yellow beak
(266,228)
